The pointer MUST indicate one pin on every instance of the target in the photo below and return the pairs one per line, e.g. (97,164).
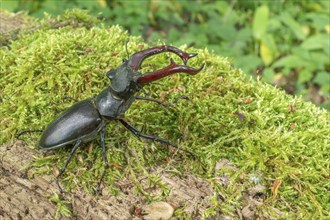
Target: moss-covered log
(276,146)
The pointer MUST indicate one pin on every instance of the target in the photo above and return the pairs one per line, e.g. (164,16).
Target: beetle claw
(60,189)
(137,58)
(169,70)
(188,56)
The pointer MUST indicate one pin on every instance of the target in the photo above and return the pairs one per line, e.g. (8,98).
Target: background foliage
(285,43)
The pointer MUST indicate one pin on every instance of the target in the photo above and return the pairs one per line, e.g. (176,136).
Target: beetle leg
(150,137)
(137,58)
(77,144)
(169,70)
(106,164)
(152,100)
(160,102)
(180,97)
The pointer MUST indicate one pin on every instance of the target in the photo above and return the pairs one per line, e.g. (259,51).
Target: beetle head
(123,81)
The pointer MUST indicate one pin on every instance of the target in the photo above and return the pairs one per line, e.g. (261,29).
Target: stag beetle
(86,119)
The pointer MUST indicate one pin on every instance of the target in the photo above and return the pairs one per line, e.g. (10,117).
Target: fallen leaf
(116,165)
(277,183)
(157,210)
(248,100)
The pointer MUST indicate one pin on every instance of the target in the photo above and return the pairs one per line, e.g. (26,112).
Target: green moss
(62,206)
(260,129)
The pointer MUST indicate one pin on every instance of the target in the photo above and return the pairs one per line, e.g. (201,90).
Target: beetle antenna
(27,131)
(127,40)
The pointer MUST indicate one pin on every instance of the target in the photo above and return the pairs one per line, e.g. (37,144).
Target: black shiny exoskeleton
(86,119)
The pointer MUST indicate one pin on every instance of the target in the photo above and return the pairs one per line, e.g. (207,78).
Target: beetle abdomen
(81,121)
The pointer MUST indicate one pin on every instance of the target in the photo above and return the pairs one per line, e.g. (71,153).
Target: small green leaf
(293,25)
(266,54)
(304,76)
(320,21)
(268,49)
(248,63)
(301,52)
(318,60)
(290,61)
(320,41)
(244,34)
(268,75)
(322,78)
(260,21)
(226,32)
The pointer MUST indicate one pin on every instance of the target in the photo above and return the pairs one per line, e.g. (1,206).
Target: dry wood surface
(24,198)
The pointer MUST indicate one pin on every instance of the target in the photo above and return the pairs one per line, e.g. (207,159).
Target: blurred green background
(286,43)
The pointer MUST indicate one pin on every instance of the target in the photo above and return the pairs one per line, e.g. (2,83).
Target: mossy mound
(273,139)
